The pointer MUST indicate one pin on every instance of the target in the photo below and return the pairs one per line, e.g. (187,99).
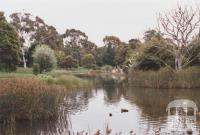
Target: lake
(96,109)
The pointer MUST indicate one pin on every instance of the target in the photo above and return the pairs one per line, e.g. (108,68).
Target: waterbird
(189,131)
(124,110)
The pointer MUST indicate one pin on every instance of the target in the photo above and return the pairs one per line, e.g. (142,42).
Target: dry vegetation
(167,78)
(28,99)
(35,98)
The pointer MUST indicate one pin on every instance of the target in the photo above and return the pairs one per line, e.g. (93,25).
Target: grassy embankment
(167,78)
(24,96)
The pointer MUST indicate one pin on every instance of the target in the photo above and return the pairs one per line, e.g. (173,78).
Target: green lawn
(75,71)
(21,72)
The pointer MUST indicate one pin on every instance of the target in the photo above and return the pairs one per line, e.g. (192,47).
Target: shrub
(88,61)
(69,62)
(36,68)
(45,57)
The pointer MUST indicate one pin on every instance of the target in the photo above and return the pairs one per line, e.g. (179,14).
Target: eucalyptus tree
(76,44)
(33,31)
(113,41)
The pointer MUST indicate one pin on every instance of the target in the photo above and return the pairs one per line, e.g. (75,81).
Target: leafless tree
(180,25)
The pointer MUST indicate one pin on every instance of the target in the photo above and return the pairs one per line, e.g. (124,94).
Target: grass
(69,81)
(167,78)
(20,72)
(73,71)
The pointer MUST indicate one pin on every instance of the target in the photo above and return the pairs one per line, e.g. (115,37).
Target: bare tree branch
(181,26)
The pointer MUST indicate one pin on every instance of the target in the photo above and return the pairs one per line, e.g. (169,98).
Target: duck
(124,110)
(189,132)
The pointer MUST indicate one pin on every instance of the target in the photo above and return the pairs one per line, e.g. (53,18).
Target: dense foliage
(73,48)
(88,61)
(155,54)
(69,62)
(9,45)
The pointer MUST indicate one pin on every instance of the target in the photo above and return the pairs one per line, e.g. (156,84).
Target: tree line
(26,40)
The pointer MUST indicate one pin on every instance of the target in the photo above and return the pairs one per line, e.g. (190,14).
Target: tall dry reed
(28,99)
(166,78)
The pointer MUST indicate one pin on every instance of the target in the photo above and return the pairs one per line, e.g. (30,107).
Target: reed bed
(35,99)
(28,99)
(166,78)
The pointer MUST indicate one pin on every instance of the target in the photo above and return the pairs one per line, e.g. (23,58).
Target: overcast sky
(123,18)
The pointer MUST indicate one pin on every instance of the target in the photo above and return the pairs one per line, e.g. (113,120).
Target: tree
(180,26)
(88,47)
(33,31)
(154,54)
(45,57)
(150,34)
(88,61)
(9,45)
(195,52)
(120,54)
(69,62)
(25,31)
(113,41)
(110,45)
(100,51)
(48,35)
(60,56)
(29,54)
(134,43)
(73,37)
(76,44)
(109,56)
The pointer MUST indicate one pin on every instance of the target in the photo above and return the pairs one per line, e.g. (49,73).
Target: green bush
(88,61)
(45,57)
(36,68)
(69,62)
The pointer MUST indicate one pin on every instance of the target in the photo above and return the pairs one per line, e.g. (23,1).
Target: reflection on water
(89,111)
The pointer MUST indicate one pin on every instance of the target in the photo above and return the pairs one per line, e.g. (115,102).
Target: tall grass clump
(28,99)
(69,81)
(166,78)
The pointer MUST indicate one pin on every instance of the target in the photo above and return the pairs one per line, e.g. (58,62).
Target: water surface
(90,111)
